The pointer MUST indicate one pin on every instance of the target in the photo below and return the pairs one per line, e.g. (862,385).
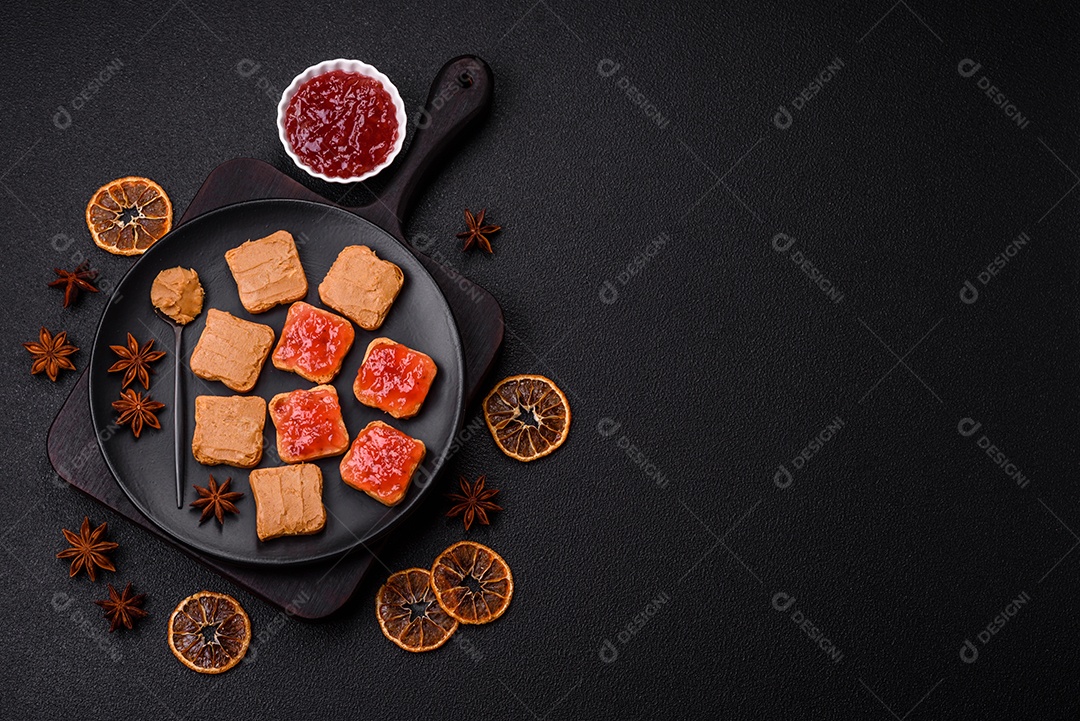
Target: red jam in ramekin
(342,124)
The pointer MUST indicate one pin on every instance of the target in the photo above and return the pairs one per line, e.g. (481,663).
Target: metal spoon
(178,364)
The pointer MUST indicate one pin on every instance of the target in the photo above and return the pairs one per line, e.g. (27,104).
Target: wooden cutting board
(459,98)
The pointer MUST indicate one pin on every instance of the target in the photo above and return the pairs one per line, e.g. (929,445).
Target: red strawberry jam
(309,424)
(381,462)
(313,343)
(394,378)
(342,124)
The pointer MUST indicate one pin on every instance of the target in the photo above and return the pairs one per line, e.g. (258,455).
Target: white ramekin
(349,66)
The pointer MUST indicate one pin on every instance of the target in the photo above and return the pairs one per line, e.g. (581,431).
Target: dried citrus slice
(528,416)
(408,614)
(128,215)
(472,583)
(209,632)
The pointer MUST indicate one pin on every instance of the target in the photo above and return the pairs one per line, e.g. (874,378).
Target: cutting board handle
(460,96)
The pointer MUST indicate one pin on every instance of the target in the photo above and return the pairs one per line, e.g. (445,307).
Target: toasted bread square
(313,343)
(381,462)
(361,286)
(309,424)
(267,272)
(231,350)
(394,378)
(229,430)
(288,501)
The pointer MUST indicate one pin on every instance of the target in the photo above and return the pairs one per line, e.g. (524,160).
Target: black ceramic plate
(419,318)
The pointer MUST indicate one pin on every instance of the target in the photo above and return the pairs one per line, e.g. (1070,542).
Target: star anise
(135,361)
(122,609)
(72,281)
(215,500)
(477,232)
(137,410)
(88,550)
(473,502)
(51,353)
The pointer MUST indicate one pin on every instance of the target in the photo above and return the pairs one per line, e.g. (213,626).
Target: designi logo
(969,652)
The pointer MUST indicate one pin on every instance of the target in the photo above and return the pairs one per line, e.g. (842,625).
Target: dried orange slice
(528,416)
(408,614)
(209,632)
(128,215)
(472,583)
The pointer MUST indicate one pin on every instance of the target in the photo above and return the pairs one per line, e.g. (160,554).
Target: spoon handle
(178,458)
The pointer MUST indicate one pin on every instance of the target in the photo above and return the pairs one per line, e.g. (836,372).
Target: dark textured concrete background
(776,275)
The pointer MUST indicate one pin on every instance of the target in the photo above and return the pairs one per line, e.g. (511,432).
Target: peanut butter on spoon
(177,296)
(177,293)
